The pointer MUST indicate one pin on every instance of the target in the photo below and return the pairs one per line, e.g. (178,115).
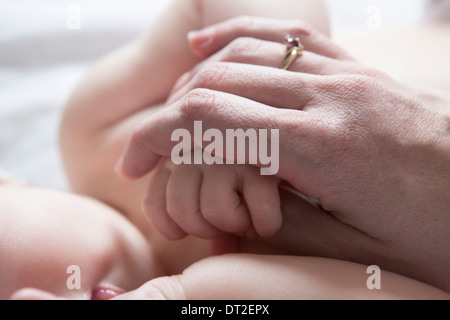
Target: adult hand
(374,153)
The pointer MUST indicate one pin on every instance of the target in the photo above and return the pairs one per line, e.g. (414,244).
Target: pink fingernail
(200,36)
(118,167)
(200,41)
(192,35)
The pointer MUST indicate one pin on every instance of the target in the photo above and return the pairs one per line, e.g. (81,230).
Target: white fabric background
(41,60)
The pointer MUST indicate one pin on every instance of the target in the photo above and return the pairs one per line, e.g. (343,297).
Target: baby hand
(205,200)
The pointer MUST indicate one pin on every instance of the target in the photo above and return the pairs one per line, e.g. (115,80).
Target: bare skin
(44,232)
(372,151)
(91,145)
(114,99)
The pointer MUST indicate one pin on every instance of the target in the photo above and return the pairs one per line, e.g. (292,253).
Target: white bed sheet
(41,61)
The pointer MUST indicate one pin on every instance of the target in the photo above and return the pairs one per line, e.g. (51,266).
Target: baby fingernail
(118,166)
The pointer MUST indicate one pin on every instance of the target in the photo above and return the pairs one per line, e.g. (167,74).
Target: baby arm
(265,277)
(119,91)
(202,200)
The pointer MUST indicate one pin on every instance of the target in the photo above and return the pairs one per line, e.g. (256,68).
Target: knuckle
(298,26)
(324,136)
(348,86)
(216,214)
(225,216)
(236,47)
(211,73)
(196,103)
(213,214)
(348,138)
(360,83)
(242,22)
(178,212)
(373,73)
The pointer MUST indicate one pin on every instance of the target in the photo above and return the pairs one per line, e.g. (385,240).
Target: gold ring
(294,49)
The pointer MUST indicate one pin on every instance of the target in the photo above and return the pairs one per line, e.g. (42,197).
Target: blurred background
(47,45)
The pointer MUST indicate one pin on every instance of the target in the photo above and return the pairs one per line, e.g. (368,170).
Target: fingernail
(198,37)
(199,41)
(192,35)
(118,167)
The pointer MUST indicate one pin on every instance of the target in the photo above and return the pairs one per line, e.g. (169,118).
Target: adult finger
(270,54)
(270,86)
(207,41)
(220,111)
(183,201)
(155,206)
